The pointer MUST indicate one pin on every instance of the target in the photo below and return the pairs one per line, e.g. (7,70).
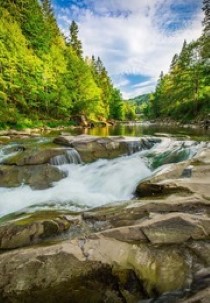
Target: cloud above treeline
(136,39)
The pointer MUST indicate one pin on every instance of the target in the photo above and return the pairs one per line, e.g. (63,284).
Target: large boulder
(191,176)
(34,228)
(35,155)
(92,148)
(126,252)
(101,261)
(37,176)
(60,272)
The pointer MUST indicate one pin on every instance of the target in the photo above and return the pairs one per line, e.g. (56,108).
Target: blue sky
(135,39)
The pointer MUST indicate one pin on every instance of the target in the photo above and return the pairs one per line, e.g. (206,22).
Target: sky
(136,39)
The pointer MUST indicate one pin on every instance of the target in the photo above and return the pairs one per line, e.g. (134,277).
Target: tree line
(43,75)
(184,92)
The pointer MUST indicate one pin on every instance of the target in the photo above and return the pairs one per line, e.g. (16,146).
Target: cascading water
(9,151)
(95,184)
(71,156)
(85,186)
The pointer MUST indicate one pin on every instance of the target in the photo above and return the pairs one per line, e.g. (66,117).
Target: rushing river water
(104,181)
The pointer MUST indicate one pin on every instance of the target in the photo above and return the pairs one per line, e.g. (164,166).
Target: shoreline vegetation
(44,77)
(46,81)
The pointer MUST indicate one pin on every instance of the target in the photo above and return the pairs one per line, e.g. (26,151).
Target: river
(103,181)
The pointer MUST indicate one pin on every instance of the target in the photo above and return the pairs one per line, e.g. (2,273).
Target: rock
(56,273)
(155,185)
(5,139)
(147,189)
(124,264)
(92,148)
(3,133)
(171,178)
(126,234)
(200,297)
(153,266)
(203,157)
(35,156)
(174,228)
(127,253)
(30,229)
(37,176)
(187,172)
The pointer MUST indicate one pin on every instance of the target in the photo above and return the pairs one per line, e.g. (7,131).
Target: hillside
(184,92)
(141,99)
(43,75)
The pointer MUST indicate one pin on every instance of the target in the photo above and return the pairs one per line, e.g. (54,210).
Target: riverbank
(130,251)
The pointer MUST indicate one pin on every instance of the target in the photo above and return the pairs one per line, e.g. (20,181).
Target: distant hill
(139,100)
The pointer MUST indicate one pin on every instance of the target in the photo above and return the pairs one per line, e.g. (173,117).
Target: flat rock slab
(35,155)
(92,148)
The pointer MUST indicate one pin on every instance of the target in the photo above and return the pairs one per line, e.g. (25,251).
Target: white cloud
(134,43)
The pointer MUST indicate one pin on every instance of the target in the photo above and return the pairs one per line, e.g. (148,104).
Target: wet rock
(92,148)
(31,229)
(35,156)
(136,251)
(203,157)
(37,176)
(4,139)
(147,189)
(187,172)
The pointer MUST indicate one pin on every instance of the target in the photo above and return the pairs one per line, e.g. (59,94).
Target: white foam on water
(86,186)
(91,185)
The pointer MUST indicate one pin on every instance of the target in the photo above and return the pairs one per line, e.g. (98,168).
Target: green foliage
(43,77)
(129,111)
(184,93)
(116,106)
(74,40)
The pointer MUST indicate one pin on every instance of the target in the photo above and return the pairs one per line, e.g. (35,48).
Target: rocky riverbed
(154,248)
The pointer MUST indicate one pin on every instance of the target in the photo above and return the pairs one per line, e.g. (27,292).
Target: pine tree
(47,8)
(206,22)
(50,17)
(75,43)
(206,31)
(174,62)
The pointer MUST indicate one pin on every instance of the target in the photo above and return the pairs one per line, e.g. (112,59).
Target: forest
(184,92)
(44,77)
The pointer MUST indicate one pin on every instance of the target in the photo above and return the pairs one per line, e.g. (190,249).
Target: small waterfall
(143,144)
(9,151)
(134,147)
(71,156)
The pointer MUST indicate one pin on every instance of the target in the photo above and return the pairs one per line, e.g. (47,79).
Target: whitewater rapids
(91,185)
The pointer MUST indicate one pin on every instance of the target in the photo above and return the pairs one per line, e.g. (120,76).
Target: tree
(75,43)
(174,62)
(116,105)
(206,32)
